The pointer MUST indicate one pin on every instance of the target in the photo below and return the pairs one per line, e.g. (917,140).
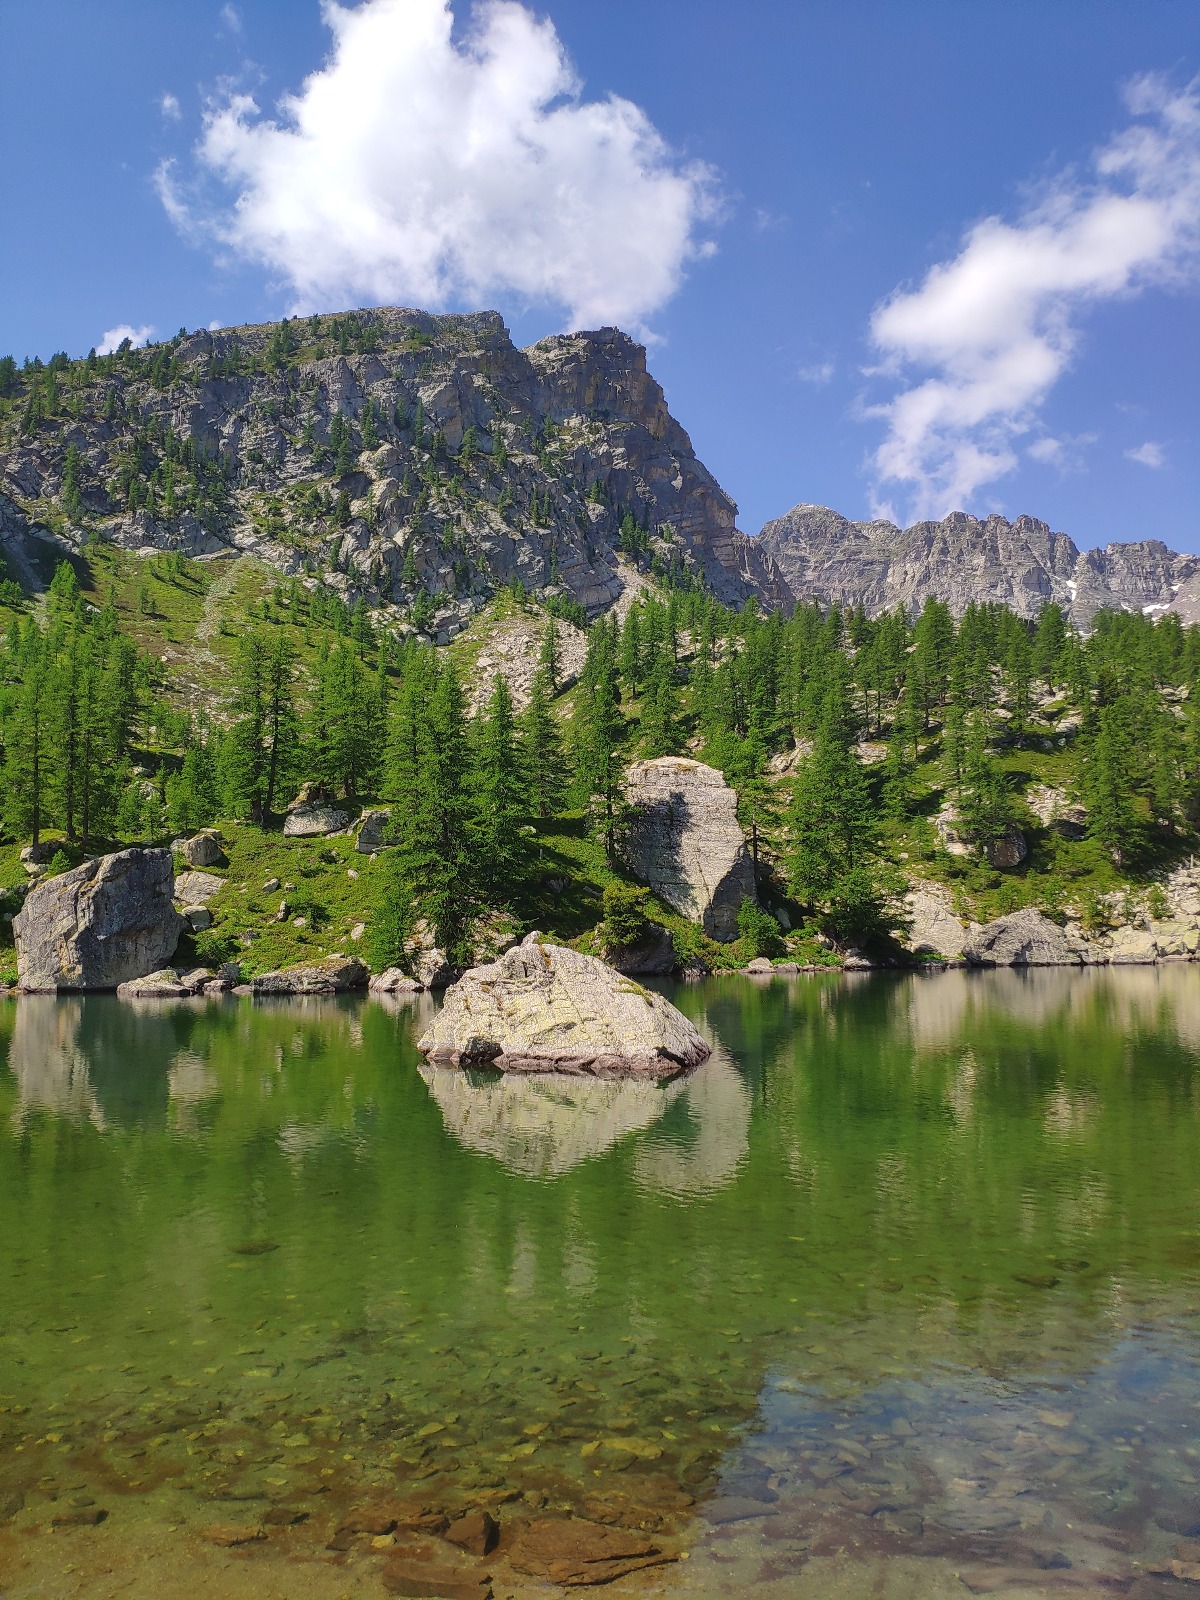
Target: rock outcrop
(653,956)
(311,822)
(202,850)
(815,554)
(682,837)
(334,975)
(544,1008)
(933,927)
(372,831)
(1022,939)
(102,924)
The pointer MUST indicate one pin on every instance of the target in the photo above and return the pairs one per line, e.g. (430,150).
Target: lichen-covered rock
(393,981)
(683,838)
(1132,947)
(1054,809)
(100,925)
(372,831)
(933,927)
(1009,850)
(169,984)
(331,976)
(1022,939)
(202,850)
(311,822)
(196,888)
(544,1008)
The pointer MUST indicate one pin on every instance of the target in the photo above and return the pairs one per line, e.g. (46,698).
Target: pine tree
(832,855)
(661,734)
(599,729)
(548,658)
(543,756)
(1108,785)
(500,800)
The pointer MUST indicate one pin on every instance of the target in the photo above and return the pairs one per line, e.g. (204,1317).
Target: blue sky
(849,151)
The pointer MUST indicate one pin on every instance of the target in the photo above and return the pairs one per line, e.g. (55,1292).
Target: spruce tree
(500,800)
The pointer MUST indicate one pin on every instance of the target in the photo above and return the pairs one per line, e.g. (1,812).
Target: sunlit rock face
(545,1008)
(682,837)
(104,923)
(816,554)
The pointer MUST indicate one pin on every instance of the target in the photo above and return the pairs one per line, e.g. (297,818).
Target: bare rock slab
(102,924)
(544,1008)
(1022,939)
(334,975)
(313,822)
(683,838)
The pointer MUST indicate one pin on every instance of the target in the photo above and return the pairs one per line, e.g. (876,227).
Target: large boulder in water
(543,1008)
(1022,939)
(681,835)
(102,924)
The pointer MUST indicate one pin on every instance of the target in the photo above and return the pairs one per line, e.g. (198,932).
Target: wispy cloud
(1150,454)
(414,167)
(231,18)
(170,108)
(997,326)
(1067,454)
(818,374)
(113,338)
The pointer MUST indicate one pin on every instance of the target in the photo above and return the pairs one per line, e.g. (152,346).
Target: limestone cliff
(414,460)
(818,555)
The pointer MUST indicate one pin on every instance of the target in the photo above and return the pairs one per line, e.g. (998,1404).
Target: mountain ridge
(421,463)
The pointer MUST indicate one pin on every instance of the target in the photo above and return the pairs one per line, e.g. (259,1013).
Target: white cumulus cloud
(996,327)
(421,168)
(1150,454)
(113,338)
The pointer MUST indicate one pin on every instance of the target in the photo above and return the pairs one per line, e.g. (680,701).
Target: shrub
(625,920)
(1157,903)
(60,861)
(758,930)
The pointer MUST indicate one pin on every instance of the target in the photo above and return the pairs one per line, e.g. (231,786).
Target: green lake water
(900,1290)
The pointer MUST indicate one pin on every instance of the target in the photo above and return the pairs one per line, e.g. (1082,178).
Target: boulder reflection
(540,1125)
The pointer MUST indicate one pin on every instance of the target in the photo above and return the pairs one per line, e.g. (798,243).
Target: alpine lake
(897,1295)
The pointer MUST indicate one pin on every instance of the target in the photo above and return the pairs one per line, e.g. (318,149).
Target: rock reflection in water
(705,1154)
(540,1125)
(48,1062)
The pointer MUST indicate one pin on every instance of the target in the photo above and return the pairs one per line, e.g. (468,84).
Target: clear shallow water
(899,1294)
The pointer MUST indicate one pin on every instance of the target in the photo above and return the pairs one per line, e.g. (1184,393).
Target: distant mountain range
(815,554)
(421,463)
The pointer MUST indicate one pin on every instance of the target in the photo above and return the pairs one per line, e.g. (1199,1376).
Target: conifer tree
(599,729)
(500,799)
(832,854)
(543,755)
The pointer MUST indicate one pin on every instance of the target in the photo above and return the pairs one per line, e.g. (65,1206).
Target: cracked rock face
(105,923)
(683,838)
(815,554)
(544,1008)
(1022,939)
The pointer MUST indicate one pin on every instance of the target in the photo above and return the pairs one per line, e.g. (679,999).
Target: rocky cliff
(815,554)
(422,462)
(413,460)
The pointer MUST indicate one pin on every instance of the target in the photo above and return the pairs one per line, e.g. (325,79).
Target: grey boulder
(202,850)
(1022,939)
(372,831)
(334,975)
(102,924)
(544,1008)
(312,822)
(682,837)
